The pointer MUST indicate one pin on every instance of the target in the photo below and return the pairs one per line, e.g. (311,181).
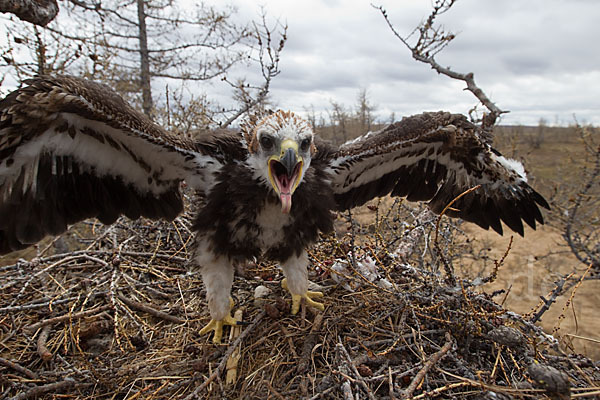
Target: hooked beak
(285,172)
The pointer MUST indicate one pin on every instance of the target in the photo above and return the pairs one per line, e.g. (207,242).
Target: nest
(119,319)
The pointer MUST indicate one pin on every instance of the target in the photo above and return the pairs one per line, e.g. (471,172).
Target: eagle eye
(266,142)
(305,144)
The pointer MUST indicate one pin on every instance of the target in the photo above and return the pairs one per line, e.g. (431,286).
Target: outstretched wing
(72,149)
(436,157)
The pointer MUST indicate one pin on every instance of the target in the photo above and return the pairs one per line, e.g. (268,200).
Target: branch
(67,317)
(229,351)
(17,367)
(37,391)
(557,291)
(150,310)
(430,363)
(269,62)
(433,40)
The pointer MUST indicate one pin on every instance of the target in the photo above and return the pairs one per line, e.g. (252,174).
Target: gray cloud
(537,58)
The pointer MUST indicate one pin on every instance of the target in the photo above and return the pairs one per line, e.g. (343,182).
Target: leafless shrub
(576,204)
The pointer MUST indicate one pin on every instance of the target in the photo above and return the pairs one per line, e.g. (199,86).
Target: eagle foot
(307,296)
(217,325)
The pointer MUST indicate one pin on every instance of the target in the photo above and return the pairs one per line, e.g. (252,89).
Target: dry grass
(119,319)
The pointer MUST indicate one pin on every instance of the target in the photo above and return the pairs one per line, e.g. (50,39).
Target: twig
(274,391)
(229,351)
(427,366)
(67,317)
(309,344)
(449,271)
(391,384)
(561,317)
(323,393)
(152,311)
(430,42)
(546,303)
(42,350)
(350,365)
(49,388)
(498,263)
(25,371)
(234,359)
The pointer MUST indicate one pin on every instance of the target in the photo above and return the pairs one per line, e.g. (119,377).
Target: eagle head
(281,147)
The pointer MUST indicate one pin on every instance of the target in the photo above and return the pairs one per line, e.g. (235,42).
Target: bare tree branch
(268,58)
(431,40)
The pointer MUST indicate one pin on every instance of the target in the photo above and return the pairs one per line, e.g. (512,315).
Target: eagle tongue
(286,202)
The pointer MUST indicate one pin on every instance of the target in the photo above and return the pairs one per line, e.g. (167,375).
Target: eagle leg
(217,325)
(296,282)
(217,275)
(307,296)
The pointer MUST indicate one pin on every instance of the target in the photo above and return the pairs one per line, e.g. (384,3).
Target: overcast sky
(536,58)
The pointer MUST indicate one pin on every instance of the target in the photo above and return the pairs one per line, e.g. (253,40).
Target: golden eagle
(71,149)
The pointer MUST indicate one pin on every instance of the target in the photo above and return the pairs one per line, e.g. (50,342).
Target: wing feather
(435,157)
(71,149)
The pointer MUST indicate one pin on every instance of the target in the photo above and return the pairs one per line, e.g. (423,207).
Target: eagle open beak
(285,171)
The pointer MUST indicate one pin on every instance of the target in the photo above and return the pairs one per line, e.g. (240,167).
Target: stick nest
(119,319)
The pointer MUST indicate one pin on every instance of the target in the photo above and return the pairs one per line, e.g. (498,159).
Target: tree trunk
(147,105)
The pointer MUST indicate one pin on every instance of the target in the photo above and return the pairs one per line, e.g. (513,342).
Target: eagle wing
(435,157)
(71,149)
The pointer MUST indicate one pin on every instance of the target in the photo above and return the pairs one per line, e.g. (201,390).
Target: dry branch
(228,353)
(42,350)
(427,366)
(432,40)
(67,317)
(17,367)
(150,310)
(309,344)
(49,388)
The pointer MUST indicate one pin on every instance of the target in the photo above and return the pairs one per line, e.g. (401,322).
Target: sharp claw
(217,325)
(308,298)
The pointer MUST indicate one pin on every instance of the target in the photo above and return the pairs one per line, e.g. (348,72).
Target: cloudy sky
(536,58)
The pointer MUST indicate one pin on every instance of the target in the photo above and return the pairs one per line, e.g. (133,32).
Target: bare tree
(32,50)
(155,39)
(576,204)
(252,97)
(537,138)
(427,40)
(364,110)
(339,118)
(311,116)
(130,44)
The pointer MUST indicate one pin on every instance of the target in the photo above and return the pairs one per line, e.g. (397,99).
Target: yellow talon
(308,298)
(217,325)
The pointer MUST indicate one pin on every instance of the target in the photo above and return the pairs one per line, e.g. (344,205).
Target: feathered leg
(296,281)
(217,275)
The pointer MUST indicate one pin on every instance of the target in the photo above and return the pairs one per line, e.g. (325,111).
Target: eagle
(72,149)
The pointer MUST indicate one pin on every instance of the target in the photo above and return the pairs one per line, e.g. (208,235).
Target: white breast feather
(271,221)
